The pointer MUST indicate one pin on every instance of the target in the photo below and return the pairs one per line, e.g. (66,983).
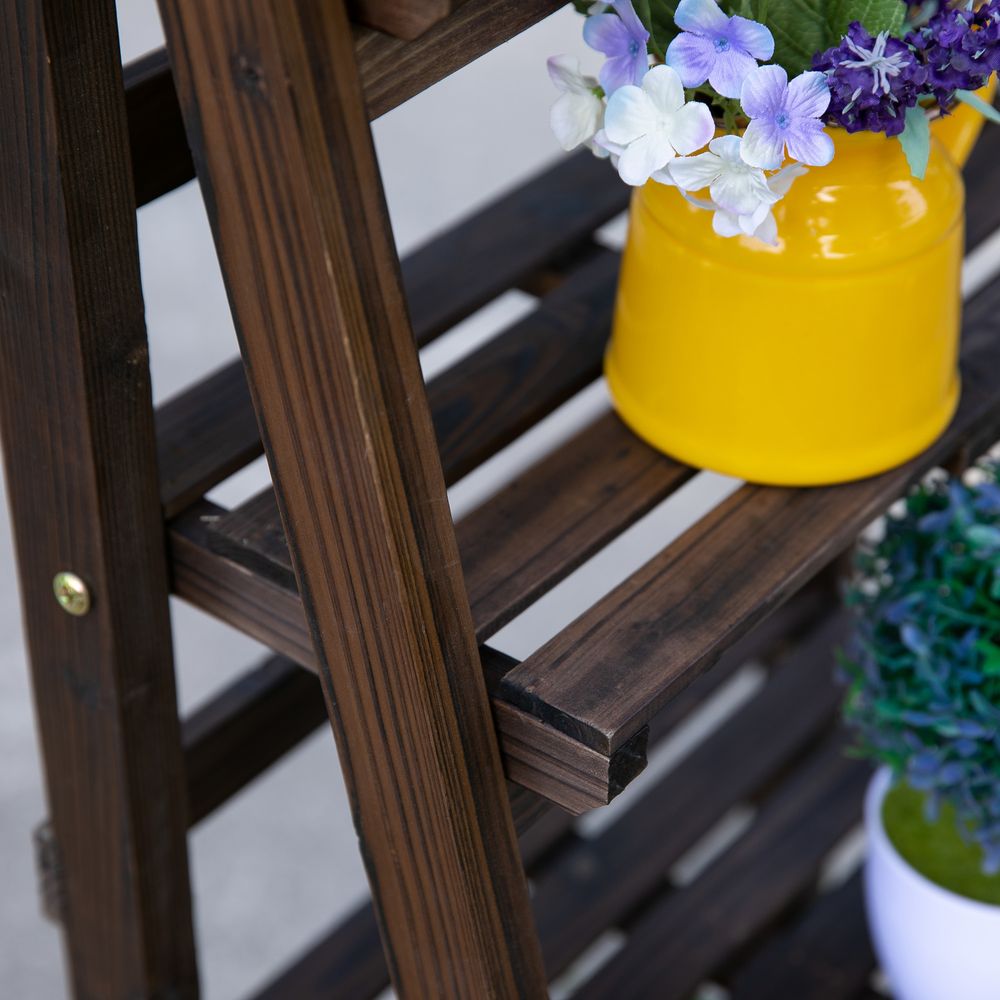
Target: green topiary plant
(923,665)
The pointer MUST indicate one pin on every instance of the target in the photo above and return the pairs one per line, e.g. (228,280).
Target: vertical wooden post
(76,417)
(275,116)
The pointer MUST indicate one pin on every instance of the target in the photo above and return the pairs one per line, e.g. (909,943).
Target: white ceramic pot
(932,943)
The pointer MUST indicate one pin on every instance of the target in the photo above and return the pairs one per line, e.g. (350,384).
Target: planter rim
(874,797)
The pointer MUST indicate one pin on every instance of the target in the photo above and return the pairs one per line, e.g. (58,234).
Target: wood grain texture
(161,160)
(683,939)
(583,885)
(77,422)
(275,114)
(210,430)
(267,607)
(245,728)
(600,882)
(824,954)
(672,618)
(401,18)
(392,69)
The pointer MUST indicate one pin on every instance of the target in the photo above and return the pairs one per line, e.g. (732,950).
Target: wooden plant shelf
(571,726)
(466,768)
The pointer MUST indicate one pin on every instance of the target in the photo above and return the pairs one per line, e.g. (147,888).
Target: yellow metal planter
(827,358)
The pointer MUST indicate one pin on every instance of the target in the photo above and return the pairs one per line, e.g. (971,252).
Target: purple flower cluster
(960,49)
(872,81)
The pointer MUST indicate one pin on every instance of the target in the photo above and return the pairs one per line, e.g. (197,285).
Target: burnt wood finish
(676,943)
(825,954)
(210,430)
(402,18)
(584,885)
(600,882)
(671,619)
(270,609)
(283,148)
(77,422)
(161,160)
(392,71)
(245,728)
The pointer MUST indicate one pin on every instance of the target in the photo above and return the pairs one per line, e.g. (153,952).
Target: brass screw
(71,593)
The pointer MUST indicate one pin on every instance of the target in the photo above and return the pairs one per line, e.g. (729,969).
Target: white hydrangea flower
(578,113)
(734,185)
(760,223)
(653,124)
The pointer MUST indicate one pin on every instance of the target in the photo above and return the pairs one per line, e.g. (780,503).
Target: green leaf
(975,101)
(661,23)
(875,15)
(991,658)
(799,29)
(916,141)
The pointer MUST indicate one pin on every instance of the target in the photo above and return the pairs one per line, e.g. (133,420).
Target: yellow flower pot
(830,357)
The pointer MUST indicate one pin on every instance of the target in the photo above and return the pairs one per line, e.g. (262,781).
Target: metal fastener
(71,593)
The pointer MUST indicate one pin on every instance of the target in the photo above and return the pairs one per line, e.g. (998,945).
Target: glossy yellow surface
(830,357)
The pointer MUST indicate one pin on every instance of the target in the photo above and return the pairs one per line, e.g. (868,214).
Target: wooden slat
(402,18)
(392,69)
(503,244)
(825,954)
(245,728)
(161,160)
(204,435)
(271,611)
(982,217)
(583,885)
(210,430)
(668,621)
(77,422)
(598,883)
(682,940)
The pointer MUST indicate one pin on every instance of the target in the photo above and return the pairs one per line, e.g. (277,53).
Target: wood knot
(249,74)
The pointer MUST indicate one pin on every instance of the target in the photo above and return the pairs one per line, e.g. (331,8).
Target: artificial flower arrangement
(923,666)
(682,97)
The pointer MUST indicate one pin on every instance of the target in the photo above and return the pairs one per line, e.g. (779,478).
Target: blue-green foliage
(923,666)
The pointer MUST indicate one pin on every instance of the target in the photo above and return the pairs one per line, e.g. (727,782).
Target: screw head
(71,593)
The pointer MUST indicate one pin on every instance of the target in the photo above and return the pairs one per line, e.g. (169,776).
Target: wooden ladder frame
(379,610)
(276,118)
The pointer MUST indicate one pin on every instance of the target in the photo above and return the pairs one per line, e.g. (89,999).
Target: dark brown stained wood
(402,18)
(825,954)
(501,246)
(77,423)
(557,514)
(583,886)
(682,940)
(210,431)
(392,70)
(274,109)
(245,728)
(204,435)
(271,611)
(477,407)
(599,883)
(161,160)
(672,618)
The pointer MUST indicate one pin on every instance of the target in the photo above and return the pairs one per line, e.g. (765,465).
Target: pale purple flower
(652,124)
(785,116)
(623,39)
(715,47)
